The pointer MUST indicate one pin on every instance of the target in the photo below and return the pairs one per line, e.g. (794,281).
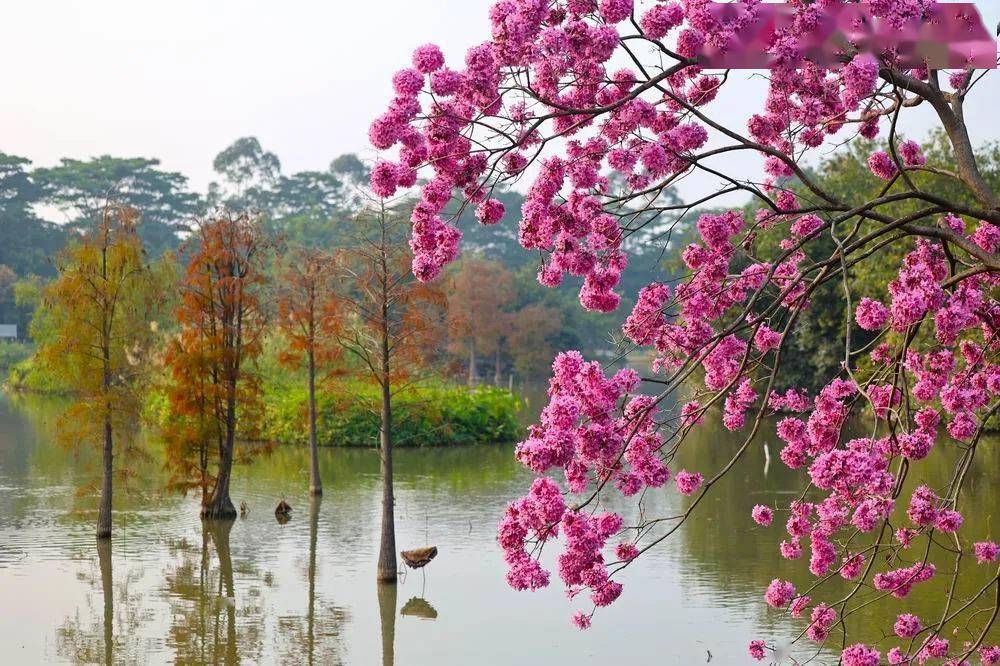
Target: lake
(171,589)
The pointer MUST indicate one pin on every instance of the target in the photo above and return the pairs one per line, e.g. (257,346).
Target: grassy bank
(430,415)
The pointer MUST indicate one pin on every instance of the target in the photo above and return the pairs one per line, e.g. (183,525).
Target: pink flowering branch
(602,147)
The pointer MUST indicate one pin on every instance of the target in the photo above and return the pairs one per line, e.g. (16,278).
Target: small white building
(8,331)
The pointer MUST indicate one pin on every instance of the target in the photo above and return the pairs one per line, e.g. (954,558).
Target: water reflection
(387,593)
(172,589)
(419,607)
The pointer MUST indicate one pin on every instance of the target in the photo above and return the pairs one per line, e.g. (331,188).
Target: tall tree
(27,243)
(248,173)
(306,316)
(100,306)
(214,390)
(478,318)
(79,188)
(391,323)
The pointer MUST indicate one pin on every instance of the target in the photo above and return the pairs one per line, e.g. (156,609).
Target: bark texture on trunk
(220,506)
(104,511)
(315,483)
(387,548)
(386,571)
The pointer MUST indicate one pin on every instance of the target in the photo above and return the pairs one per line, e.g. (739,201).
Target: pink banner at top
(951,37)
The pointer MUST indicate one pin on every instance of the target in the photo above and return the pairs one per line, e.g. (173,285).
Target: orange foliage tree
(211,359)
(393,325)
(478,317)
(307,317)
(99,310)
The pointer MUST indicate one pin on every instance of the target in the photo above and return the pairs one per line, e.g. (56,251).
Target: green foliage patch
(430,415)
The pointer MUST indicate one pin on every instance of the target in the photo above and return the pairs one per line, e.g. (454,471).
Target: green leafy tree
(26,241)
(99,308)
(80,188)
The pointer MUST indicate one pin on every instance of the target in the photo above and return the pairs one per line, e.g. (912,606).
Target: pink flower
(882,165)
(407,82)
(756,650)
(661,19)
(806,225)
(615,11)
(626,551)
(428,58)
(384,179)
(948,521)
(911,154)
(765,339)
(687,482)
(860,654)
(490,211)
(907,626)
(581,620)
(762,515)
(990,655)
(779,593)
(986,551)
(870,314)
(790,550)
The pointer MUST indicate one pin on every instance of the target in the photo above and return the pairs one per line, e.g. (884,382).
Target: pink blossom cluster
(549,71)
(596,433)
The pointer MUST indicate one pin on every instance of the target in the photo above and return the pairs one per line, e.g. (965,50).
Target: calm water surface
(170,589)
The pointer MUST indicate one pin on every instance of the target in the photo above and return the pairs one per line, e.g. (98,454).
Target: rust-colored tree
(306,317)
(529,338)
(99,310)
(214,389)
(393,325)
(478,317)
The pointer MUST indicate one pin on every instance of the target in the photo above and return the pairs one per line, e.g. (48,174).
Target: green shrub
(434,415)
(12,353)
(29,375)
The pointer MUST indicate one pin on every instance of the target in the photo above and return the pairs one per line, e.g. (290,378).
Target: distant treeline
(43,208)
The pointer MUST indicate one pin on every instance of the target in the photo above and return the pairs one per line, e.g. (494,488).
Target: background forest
(518,326)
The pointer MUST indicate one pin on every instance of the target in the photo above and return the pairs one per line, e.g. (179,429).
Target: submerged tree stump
(283,512)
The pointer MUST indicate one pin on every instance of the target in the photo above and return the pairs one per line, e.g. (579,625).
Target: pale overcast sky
(180,80)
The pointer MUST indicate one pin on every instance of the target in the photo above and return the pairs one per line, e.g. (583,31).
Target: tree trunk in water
(220,506)
(315,483)
(386,571)
(104,512)
(472,364)
(387,613)
(387,548)
(107,586)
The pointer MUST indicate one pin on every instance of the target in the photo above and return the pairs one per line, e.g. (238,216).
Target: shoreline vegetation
(429,414)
